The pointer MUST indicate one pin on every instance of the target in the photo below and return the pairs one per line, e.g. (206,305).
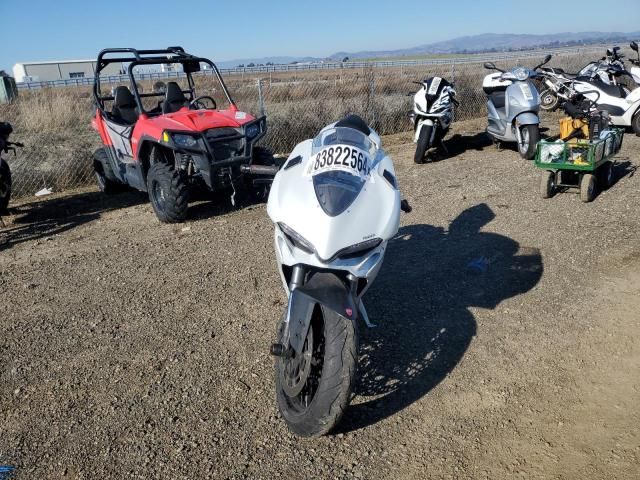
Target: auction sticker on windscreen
(345,158)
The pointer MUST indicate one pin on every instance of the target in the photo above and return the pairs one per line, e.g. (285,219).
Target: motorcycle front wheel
(423,144)
(530,135)
(548,100)
(313,388)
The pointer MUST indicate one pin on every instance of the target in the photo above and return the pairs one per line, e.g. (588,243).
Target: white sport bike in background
(432,115)
(335,204)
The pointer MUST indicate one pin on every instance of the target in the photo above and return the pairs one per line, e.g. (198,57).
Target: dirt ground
(508,343)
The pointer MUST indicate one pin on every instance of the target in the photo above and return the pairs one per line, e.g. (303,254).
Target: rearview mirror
(489,66)
(191,66)
(547,59)
(634,46)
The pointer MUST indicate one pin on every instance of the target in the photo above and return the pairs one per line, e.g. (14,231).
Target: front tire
(331,350)
(549,100)
(588,187)
(259,190)
(168,193)
(5,185)
(529,135)
(548,184)
(423,144)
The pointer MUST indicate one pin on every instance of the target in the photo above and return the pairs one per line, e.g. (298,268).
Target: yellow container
(568,125)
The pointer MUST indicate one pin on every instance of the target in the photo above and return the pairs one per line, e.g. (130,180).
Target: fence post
(372,94)
(260,97)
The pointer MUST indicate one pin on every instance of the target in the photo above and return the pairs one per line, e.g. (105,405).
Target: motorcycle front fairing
(431,104)
(373,213)
(334,232)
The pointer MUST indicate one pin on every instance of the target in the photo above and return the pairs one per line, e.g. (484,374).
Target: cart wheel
(605,175)
(587,187)
(548,184)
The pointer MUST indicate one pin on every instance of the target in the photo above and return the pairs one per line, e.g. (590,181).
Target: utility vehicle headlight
(252,131)
(185,141)
(297,239)
(521,74)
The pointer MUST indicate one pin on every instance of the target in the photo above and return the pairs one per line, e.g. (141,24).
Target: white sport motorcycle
(335,204)
(432,114)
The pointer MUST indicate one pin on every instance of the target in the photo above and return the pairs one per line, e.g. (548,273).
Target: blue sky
(34,30)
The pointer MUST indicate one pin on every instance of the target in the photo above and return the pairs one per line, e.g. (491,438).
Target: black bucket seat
(174,98)
(125,108)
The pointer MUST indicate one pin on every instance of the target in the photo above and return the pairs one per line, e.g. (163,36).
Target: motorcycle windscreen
(340,166)
(336,191)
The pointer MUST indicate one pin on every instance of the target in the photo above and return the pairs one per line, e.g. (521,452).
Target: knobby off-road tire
(530,135)
(333,372)
(548,100)
(423,144)
(5,185)
(261,156)
(105,177)
(168,193)
(547,184)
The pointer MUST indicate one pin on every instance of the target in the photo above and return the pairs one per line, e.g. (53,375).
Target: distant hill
(486,42)
(498,42)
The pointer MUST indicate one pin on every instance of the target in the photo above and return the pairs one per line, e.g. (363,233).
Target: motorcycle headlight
(184,141)
(296,239)
(521,74)
(358,249)
(252,131)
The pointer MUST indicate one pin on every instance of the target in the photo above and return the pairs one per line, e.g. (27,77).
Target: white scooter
(432,114)
(335,204)
(513,104)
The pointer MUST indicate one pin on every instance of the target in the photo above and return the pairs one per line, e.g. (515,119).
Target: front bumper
(221,152)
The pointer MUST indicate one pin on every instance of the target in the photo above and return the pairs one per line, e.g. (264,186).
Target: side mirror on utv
(191,66)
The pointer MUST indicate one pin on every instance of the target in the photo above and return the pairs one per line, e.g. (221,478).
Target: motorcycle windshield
(340,166)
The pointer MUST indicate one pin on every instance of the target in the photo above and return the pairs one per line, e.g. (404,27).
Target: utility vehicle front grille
(225,143)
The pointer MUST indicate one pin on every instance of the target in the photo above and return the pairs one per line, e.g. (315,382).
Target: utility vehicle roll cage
(171,55)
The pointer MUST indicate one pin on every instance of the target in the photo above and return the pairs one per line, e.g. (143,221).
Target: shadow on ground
(459,144)
(421,302)
(51,216)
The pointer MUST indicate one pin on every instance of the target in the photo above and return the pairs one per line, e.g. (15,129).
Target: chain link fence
(54,123)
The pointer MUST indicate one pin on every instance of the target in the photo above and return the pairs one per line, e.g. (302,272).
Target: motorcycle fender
(527,118)
(422,123)
(324,289)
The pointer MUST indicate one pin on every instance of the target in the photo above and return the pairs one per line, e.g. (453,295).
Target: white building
(60,70)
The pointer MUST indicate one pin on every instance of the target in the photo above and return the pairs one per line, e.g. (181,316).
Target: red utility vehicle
(170,139)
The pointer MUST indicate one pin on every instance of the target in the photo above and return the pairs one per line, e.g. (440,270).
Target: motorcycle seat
(613,90)
(498,99)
